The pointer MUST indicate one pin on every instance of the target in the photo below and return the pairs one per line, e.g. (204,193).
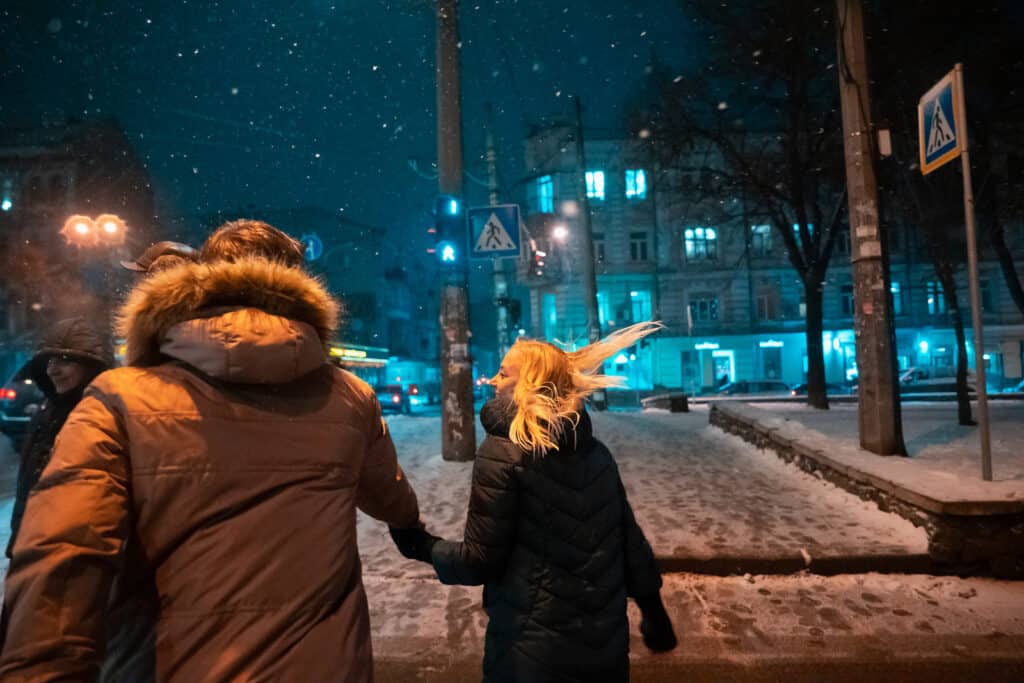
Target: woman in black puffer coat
(550,532)
(66,360)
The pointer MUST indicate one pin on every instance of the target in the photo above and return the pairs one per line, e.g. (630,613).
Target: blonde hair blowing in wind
(553,383)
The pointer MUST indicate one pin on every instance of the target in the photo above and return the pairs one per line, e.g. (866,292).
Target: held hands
(655,625)
(414,542)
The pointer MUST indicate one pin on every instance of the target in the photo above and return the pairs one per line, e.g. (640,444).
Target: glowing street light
(560,233)
(83,231)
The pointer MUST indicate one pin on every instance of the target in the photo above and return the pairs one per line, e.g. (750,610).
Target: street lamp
(83,231)
(560,233)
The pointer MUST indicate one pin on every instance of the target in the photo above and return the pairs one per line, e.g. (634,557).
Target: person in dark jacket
(68,357)
(550,532)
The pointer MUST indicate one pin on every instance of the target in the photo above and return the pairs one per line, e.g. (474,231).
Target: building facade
(46,175)
(665,249)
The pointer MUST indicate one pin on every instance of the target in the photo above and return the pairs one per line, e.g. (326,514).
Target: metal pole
(586,246)
(878,401)
(972,271)
(458,437)
(500,281)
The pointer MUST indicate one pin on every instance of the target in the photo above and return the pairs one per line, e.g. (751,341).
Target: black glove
(655,626)
(414,542)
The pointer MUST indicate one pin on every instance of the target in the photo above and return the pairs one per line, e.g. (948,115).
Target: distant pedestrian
(161,256)
(236,455)
(68,357)
(550,532)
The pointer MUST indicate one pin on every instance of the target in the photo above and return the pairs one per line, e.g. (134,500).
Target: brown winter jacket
(235,456)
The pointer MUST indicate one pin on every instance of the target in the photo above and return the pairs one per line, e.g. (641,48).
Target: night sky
(317,102)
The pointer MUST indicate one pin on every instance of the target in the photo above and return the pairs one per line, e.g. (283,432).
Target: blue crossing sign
(494,231)
(941,133)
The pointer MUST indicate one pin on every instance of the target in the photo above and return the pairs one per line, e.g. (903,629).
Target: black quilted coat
(554,541)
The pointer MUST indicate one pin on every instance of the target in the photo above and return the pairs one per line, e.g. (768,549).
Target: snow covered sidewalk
(707,501)
(764,628)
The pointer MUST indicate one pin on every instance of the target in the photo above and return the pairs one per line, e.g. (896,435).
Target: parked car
(913,374)
(830,389)
(763,387)
(20,399)
(1015,389)
(394,399)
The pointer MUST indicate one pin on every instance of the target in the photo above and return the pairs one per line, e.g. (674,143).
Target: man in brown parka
(235,455)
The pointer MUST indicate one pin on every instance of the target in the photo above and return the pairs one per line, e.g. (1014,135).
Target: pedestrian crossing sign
(941,130)
(494,231)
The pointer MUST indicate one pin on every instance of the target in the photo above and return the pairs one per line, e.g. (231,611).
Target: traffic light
(450,220)
(538,262)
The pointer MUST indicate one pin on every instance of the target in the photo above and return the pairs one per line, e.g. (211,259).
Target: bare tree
(765,97)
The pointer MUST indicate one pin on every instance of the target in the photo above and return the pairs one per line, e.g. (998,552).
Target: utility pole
(878,401)
(500,281)
(586,246)
(458,436)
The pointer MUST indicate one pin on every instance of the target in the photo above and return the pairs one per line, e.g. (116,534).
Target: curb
(823,566)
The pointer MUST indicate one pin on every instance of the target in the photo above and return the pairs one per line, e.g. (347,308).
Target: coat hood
(73,338)
(252,321)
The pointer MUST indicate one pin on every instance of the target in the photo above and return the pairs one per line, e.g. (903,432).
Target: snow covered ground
(931,433)
(749,619)
(944,462)
(697,493)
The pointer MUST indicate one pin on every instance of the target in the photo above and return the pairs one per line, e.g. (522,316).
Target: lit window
(936,300)
(545,194)
(638,246)
(636,183)
(796,230)
(703,309)
(761,240)
(640,304)
(897,298)
(549,315)
(701,244)
(595,184)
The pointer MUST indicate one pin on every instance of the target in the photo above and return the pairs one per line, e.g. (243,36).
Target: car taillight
(414,390)
(8,394)
(396,398)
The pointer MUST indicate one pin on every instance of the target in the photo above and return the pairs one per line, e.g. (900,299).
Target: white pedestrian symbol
(494,237)
(941,133)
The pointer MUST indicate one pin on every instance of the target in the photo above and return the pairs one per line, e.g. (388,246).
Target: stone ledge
(964,537)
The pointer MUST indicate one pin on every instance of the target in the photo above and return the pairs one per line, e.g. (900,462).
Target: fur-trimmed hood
(252,321)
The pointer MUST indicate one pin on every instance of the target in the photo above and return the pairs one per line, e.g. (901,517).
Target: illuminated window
(701,244)
(897,298)
(545,194)
(761,240)
(703,308)
(636,183)
(595,184)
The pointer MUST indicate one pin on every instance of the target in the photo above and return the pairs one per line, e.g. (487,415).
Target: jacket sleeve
(490,523)
(68,552)
(643,579)
(383,491)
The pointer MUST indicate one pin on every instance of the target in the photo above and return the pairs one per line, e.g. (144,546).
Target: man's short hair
(245,238)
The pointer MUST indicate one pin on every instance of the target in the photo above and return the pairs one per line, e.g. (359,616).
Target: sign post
(942,135)
(494,231)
